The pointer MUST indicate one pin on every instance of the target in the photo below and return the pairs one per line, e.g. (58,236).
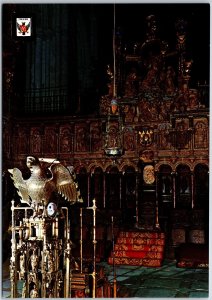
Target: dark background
(132,19)
(90,40)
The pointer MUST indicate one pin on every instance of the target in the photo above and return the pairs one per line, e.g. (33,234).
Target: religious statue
(22,265)
(34,259)
(34,293)
(48,176)
(50,261)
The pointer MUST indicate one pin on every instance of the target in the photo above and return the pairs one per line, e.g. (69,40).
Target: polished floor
(164,282)
(144,282)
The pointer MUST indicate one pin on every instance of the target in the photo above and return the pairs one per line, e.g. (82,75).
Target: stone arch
(106,165)
(158,166)
(78,168)
(112,169)
(204,164)
(93,167)
(188,164)
(183,166)
(128,165)
(128,168)
(165,168)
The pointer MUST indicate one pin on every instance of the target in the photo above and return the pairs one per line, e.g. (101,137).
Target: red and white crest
(23,27)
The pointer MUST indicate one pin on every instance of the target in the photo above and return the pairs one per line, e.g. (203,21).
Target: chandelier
(114,127)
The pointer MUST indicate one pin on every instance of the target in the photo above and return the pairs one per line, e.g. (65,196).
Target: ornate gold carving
(149,174)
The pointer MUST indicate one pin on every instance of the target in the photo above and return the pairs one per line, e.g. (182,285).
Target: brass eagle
(44,181)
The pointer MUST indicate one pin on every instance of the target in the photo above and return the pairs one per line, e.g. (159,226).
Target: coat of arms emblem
(23,26)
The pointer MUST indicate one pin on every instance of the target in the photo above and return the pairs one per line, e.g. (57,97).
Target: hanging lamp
(114,138)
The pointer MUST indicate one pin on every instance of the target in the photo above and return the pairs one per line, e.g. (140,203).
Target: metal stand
(41,257)
(93,274)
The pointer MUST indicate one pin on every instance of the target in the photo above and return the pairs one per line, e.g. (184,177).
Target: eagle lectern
(41,259)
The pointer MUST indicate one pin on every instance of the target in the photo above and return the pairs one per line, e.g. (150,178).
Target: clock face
(51,209)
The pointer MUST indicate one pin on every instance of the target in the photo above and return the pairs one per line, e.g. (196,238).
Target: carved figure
(36,142)
(65,142)
(182,135)
(95,139)
(22,265)
(34,293)
(39,188)
(129,141)
(200,135)
(51,140)
(81,144)
(50,260)
(151,78)
(34,261)
(24,290)
(113,139)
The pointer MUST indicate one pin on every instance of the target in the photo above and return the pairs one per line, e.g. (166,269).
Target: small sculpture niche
(34,292)
(34,260)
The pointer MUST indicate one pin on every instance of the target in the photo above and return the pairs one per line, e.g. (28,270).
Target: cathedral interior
(105,150)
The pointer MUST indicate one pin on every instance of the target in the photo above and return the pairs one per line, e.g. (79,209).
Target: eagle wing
(20,185)
(65,184)
(28,26)
(18,26)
